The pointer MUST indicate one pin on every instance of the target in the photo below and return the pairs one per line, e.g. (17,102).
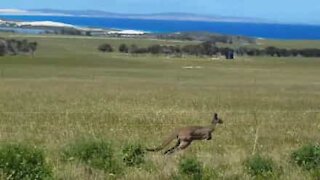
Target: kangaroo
(188,134)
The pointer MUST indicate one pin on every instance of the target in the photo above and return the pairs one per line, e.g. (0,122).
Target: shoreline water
(269,31)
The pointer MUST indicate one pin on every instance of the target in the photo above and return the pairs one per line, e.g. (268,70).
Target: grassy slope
(69,90)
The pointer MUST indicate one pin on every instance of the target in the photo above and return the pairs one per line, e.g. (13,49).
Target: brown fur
(188,134)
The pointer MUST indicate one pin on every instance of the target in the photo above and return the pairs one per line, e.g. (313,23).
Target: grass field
(70,90)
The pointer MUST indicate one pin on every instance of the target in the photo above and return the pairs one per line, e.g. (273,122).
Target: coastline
(40,27)
(253,30)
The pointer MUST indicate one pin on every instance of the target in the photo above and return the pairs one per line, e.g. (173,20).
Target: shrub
(123,48)
(105,48)
(95,153)
(307,157)
(191,167)
(3,48)
(133,155)
(15,47)
(140,51)
(155,49)
(23,162)
(258,166)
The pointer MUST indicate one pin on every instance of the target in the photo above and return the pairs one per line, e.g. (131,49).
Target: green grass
(70,90)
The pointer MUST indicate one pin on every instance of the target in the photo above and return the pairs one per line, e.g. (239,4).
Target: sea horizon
(250,29)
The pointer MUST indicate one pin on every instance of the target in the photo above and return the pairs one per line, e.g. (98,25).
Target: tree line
(210,49)
(206,36)
(15,47)
(278,52)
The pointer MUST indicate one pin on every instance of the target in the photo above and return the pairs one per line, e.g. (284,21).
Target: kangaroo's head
(216,119)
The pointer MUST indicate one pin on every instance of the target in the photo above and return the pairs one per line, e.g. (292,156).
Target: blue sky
(301,11)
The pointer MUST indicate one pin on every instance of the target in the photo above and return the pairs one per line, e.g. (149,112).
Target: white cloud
(12,11)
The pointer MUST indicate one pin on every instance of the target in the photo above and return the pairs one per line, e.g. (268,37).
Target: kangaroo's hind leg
(184,145)
(171,150)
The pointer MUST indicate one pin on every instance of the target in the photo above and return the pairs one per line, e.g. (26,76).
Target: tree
(155,49)
(140,51)
(12,46)
(271,51)
(15,47)
(88,33)
(209,48)
(310,52)
(105,48)
(242,51)
(3,47)
(123,48)
(23,46)
(33,47)
(2,50)
(69,31)
(295,52)
(171,50)
(133,48)
(193,50)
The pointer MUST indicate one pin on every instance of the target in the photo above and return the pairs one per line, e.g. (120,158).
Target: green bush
(23,162)
(133,155)
(191,167)
(258,166)
(95,153)
(105,48)
(307,157)
(123,48)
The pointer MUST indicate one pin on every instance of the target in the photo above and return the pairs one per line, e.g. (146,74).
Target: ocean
(259,30)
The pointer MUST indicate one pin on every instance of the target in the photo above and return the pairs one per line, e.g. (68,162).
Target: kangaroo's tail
(165,143)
